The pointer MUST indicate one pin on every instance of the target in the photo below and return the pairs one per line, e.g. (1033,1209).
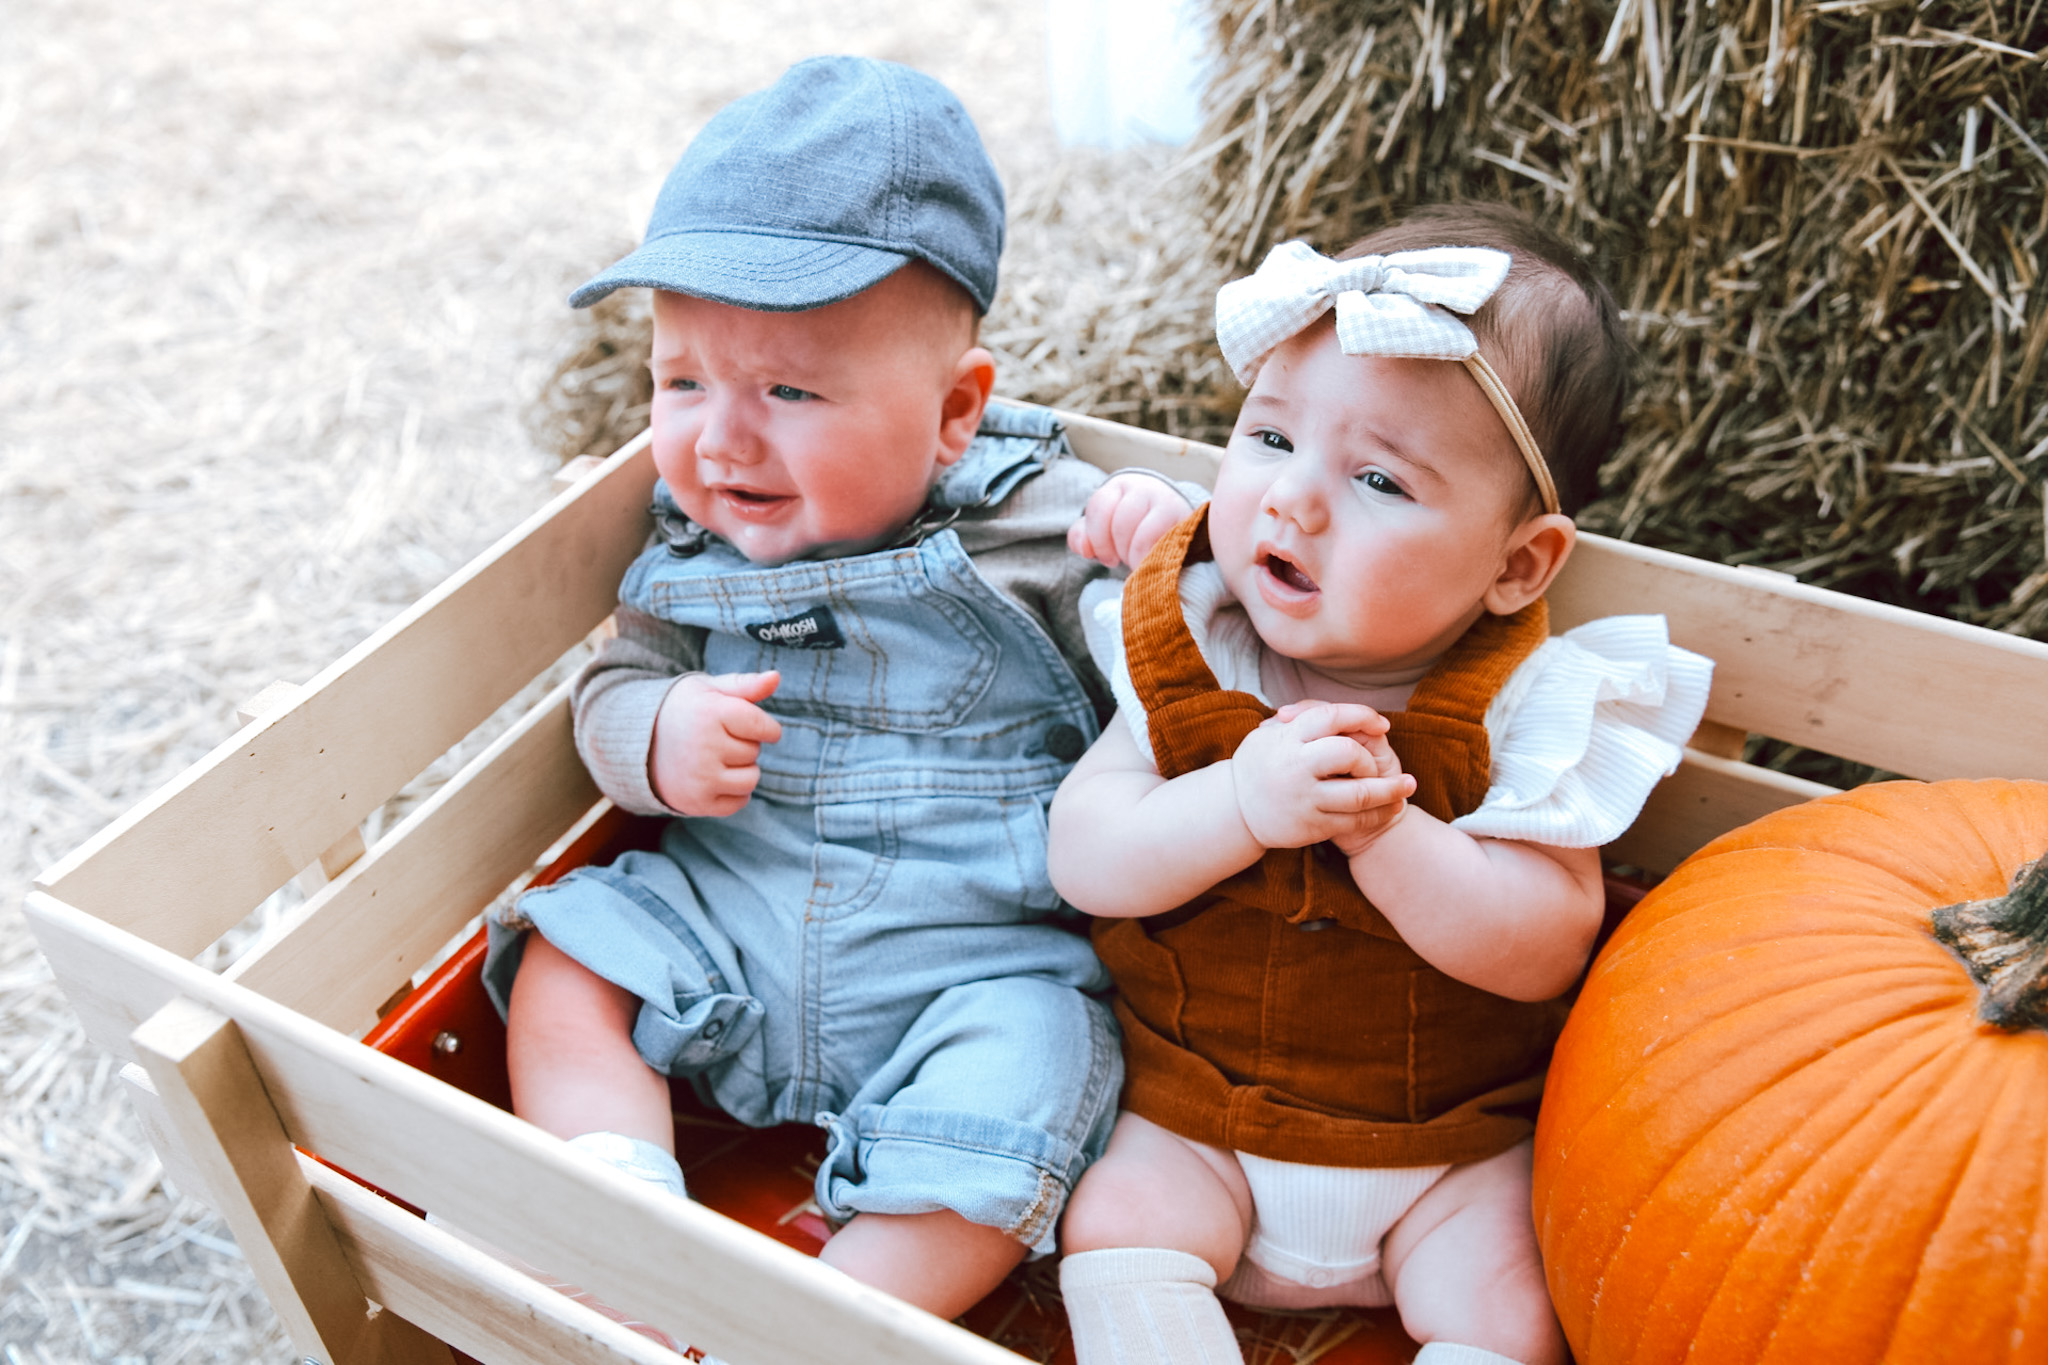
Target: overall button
(1065,742)
(1309,926)
(714,1027)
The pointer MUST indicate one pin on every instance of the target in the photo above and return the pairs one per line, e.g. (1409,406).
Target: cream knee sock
(1133,1306)
(1446,1353)
(637,1157)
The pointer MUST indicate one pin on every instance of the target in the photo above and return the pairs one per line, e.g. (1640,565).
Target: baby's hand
(705,759)
(1378,816)
(1125,518)
(1319,770)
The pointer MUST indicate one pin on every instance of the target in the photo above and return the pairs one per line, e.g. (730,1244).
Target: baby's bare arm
(1124,841)
(1516,919)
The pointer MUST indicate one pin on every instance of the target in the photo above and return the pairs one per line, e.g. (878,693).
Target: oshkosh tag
(815,629)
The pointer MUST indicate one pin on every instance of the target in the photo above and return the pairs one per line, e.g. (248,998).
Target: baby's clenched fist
(1125,518)
(705,758)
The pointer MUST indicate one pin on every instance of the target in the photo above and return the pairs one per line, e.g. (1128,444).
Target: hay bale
(599,392)
(1824,223)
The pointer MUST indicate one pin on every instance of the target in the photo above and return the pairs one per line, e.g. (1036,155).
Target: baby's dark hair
(1553,331)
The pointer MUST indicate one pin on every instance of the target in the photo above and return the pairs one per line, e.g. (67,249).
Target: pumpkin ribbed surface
(1776,1130)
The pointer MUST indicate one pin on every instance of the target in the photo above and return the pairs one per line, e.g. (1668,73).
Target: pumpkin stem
(2004,943)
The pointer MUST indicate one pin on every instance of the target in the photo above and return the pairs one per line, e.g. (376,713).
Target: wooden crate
(240,1074)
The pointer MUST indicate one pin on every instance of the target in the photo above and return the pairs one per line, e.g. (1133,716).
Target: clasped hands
(1319,770)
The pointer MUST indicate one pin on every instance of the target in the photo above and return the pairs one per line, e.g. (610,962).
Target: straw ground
(277,284)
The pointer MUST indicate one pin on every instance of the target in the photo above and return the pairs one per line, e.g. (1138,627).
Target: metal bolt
(447,1044)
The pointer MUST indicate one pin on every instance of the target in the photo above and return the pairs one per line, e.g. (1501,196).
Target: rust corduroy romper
(1279,1013)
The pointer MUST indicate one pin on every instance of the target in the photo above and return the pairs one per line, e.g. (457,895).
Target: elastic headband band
(1525,439)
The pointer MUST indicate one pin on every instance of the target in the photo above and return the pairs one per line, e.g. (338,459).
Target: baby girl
(1343,842)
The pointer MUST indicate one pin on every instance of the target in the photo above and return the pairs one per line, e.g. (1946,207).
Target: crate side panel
(179,1168)
(469,1300)
(749,1298)
(211,845)
(1113,445)
(113,980)
(1857,679)
(1704,799)
(210,1090)
(366,932)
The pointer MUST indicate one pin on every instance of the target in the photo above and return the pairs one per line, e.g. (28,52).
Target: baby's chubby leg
(938,1261)
(575,1073)
(569,1046)
(1154,1188)
(1152,1229)
(1464,1266)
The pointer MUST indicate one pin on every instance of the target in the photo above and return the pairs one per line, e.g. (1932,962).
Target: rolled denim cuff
(992,1171)
(636,924)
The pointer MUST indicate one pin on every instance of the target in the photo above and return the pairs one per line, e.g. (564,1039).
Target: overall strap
(1441,735)
(1464,682)
(1191,720)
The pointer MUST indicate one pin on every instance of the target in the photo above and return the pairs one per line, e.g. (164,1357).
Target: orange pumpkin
(1777,1128)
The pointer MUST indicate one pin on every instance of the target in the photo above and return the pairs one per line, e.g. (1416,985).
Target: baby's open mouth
(1289,573)
(753,503)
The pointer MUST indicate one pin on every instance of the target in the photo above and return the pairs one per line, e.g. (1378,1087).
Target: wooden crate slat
(194,858)
(1830,671)
(209,1088)
(474,1303)
(1112,445)
(746,1297)
(113,980)
(752,1299)
(367,931)
(179,1168)
(1704,799)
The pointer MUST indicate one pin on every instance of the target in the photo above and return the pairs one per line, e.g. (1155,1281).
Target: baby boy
(852,662)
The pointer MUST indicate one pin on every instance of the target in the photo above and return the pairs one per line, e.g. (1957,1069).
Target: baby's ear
(1536,550)
(974,376)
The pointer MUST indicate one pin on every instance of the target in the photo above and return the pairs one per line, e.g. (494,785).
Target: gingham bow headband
(1403,305)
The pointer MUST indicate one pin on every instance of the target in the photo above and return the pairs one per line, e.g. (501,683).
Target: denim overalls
(866,944)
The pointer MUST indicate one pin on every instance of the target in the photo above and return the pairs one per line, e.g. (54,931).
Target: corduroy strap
(1464,682)
(1192,721)
(1165,662)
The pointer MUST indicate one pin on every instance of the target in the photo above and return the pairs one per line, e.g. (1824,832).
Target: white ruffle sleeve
(1584,728)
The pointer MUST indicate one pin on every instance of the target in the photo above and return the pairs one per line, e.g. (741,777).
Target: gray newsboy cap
(816,188)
